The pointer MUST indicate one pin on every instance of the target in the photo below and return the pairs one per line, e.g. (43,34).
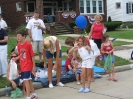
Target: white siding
(126,17)
(116,14)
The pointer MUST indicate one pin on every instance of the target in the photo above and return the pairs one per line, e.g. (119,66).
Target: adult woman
(96,33)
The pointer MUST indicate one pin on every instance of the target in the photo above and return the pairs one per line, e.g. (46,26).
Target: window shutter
(127,8)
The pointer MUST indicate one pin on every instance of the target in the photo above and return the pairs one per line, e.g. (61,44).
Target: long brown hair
(83,39)
(104,37)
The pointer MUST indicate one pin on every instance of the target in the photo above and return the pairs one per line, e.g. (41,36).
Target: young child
(13,71)
(77,67)
(106,48)
(68,64)
(86,54)
(52,48)
(27,63)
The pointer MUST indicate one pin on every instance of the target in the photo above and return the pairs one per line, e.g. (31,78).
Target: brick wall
(11,16)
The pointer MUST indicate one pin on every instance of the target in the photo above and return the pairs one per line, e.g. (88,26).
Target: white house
(120,10)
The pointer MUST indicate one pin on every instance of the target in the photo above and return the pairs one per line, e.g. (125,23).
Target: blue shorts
(49,55)
(78,72)
(113,58)
(26,75)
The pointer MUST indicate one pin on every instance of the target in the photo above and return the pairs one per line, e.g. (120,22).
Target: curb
(38,85)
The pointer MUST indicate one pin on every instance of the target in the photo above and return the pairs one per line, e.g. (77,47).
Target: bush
(130,25)
(72,24)
(109,19)
(112,25)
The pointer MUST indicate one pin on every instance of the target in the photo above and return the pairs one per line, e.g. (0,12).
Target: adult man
(3,52)
(35,28)
(3,23)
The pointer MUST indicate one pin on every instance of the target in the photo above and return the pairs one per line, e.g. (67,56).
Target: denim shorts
(26,75)
(50,55)
(113,58)
(16,81)
(78,72)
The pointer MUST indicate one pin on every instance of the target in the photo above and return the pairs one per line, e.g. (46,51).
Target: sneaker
(87,90)
(4,75)
(78,83)
(28,98)
(81,90)
(34,96)
(51,86)
(97,76)
(60,84)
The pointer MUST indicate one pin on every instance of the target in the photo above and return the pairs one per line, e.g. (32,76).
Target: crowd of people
(80,57)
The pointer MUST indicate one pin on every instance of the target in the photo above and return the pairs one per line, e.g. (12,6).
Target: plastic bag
(108,63)
(13,70)
(16,93)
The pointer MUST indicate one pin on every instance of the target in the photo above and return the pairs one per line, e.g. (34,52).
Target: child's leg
(58,70)
(92,75)
(89,73)
(50,66)
(113,73)
(31,87)
(98,61)
(77,77)
(23,88)
(27,86)
(83,77)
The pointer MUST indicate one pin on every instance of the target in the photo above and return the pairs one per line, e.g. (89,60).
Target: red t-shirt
(97,31)
(107,48)
(68,62)
(26,53)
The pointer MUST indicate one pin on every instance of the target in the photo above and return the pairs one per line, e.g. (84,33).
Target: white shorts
(87,63)
(37,46)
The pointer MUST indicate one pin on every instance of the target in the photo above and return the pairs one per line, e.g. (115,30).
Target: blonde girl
(106,48)
(87,57)
(52,48)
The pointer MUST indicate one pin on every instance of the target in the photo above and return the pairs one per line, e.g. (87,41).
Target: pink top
(107,48)
(97,31)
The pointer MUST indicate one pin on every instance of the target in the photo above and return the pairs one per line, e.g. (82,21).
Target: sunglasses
(13,56)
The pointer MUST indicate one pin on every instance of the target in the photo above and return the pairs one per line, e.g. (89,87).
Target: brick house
(14,12)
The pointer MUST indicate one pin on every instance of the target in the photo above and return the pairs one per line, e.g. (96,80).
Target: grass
(119,43)
(123,34)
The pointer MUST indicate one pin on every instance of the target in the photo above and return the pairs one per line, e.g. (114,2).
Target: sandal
(114,79)
(109,78)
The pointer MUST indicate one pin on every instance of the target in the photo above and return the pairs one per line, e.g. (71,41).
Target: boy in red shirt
(27,63)
(68,64)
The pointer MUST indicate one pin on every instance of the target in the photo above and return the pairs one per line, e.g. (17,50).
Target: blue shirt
(3,33)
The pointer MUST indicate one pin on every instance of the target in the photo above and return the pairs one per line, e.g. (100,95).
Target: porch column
(75,6)
(39,7)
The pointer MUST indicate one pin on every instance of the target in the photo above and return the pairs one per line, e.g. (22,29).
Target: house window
(18,6)
(91,6)
(30,6)
(66,5)
(118,5)
(88,6)
(81,6)
(129,7)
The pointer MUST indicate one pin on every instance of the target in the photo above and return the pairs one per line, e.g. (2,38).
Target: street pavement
(100,89)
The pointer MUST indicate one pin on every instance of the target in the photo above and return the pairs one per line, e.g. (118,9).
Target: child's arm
(34,67)
(88,47)
(14,85)
(112,47)
(102,51)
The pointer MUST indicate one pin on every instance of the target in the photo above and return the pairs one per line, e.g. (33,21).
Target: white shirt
(54,39)
(3,24)
(85,54)
(35,32)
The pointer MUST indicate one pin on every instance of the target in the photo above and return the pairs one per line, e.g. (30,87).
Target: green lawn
(124,34)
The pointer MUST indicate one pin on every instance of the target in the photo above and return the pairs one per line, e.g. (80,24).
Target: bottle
(6,90)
